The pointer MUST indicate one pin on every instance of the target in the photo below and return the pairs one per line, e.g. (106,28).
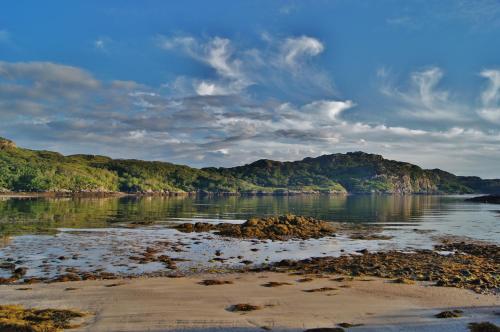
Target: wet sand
(162,304)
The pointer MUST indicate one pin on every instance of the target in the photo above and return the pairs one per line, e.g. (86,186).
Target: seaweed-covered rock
(273,228)
(212,282)
(449,314)
(471,266)
(483,327)
(17,318)
(244,307)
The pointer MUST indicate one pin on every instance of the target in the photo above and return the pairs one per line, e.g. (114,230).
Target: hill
(357,172)
(24,170)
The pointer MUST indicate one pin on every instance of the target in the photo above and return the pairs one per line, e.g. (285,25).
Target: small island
(491,199)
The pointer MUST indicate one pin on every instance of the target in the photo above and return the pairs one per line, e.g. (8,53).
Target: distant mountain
(356,172)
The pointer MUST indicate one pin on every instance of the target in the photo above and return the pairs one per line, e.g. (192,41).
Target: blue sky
(222,83)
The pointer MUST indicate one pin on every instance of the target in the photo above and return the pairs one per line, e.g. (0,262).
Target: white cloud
(490,97)
(490,114)
(205,88)
(330,110)
(104,44)
(222,151)
(424,100)
(283,65)
(296,49)
(45,73)
(187,43)
(99,44)
(219,55)
(492,94)
(426,82)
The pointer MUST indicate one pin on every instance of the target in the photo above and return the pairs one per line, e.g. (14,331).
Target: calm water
(448,214)
(36,231)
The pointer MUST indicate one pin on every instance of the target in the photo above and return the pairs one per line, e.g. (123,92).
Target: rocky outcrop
(6,144)
(274,228)
(471,266)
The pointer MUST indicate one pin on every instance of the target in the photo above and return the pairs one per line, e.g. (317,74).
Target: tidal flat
(403,262)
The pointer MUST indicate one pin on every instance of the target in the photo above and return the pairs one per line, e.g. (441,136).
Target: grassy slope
(28,170)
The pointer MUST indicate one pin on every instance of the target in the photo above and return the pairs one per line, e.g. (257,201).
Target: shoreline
(55,194)
(163,304)
(377,290)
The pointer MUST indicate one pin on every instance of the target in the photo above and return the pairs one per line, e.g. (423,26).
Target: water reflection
(412,222)
(43,215)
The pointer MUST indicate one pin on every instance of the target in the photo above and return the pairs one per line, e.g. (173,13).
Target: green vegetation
(18,318)
(24,170)
(357,172)
(35,171)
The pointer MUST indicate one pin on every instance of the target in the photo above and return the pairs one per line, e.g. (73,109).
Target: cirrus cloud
(490,97)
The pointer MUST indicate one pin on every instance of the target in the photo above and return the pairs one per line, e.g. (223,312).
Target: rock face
(274,228)
(492,199)
(6,144)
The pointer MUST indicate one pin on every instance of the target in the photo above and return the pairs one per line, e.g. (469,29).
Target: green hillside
(23,170)
(357,172)
(44,171)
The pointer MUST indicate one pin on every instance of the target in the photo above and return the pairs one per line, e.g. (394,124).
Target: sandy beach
(163,304)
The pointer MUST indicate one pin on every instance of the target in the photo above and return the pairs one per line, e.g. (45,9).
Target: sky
(224,83)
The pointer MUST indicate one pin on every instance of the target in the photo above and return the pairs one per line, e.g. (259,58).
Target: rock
(197,227)
(275,284)
(403,281)
(6,144)
(322,289)
(347,325)
(4,281)
(7,266)
(449,314)
(285,262)
(32,280)
(274,228)
(212,282)
(483,327)
(185,227)
(358,236)
(20,272)
(471,266)
(244,307)
(68,277)
(326,329)
(18,318)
